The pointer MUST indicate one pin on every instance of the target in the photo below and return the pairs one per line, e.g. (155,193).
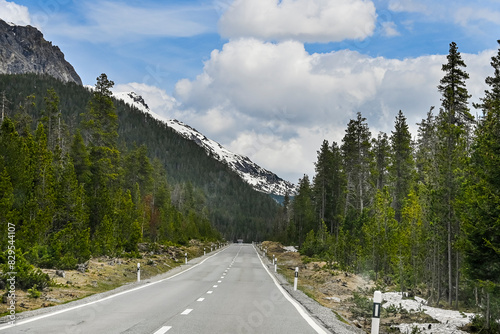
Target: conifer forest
(422,213)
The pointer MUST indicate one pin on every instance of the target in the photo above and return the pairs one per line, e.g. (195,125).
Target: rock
(61,273)
(82,267)
(94,284)
(24,50)
(69,282)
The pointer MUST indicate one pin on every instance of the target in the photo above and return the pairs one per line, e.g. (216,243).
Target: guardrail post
(138,272)
(296,279)
(377,305)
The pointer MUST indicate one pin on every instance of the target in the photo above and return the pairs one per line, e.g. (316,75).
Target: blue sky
(271,79)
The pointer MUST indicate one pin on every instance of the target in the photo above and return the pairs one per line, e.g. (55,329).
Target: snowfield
(449,320)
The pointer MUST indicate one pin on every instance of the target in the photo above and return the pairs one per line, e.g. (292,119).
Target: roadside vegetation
(417,214)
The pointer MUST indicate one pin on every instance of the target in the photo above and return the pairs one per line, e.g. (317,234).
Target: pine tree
(52,119)
(481,198)
(402,164)
(101,121)
(303,210)
(357,158)
(454,123)
(322,183)
(381,152)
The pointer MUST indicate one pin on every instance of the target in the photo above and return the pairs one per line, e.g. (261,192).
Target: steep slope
(259,178)
(24,50)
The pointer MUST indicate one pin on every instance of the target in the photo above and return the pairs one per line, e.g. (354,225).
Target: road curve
(231,291)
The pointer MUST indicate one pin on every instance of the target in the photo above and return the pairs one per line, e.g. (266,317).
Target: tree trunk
(457,280)
(450,280)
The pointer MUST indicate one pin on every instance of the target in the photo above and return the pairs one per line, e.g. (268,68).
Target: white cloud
(301,20)
(408,6)
(389,29)
(107,21)
(276,103)
(156,98)
(465,15)
(12,12)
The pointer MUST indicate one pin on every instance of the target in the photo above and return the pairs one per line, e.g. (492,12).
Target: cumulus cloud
(301,20)
(12,12)
(276,99)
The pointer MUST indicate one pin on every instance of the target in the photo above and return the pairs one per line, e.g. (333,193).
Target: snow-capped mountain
(259,178)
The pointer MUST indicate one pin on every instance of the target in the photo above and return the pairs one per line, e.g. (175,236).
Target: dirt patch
(348,295)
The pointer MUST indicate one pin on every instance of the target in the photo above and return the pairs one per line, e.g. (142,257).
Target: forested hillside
(194,179)
(423,215)
(83,175)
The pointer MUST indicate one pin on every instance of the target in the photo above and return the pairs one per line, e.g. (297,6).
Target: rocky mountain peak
(259,178)
(23,49)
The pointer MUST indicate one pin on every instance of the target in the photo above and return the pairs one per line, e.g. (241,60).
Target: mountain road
(231,291)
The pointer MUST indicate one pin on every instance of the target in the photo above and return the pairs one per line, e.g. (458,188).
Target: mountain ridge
(25,50)
(259,178)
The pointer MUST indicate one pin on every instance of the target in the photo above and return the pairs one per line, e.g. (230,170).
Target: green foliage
(421,214)
(27,276)
(33,292)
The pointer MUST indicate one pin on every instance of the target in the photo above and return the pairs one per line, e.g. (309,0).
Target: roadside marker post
(204,252)
(186,255)
(377,304)
(296,279)
(138,271)
(276,266)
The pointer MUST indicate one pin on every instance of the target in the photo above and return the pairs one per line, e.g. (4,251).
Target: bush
(478,324)
(26,276)
(34,293)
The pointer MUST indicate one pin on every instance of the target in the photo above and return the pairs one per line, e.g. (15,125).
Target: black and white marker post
(186,255)
(138,272)
(377,305)
(296,279)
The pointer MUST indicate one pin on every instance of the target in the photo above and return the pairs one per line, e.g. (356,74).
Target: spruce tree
(481,199)
(454,123)
(401,167)
(357,158)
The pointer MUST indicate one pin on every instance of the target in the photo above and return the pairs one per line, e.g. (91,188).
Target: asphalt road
(229,292)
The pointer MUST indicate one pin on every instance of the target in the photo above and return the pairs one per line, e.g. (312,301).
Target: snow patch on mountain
(259,178)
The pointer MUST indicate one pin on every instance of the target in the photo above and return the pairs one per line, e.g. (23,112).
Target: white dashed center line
(163,330)
(200,299)
(187,311)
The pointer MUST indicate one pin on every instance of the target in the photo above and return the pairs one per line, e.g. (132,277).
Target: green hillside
(231,205)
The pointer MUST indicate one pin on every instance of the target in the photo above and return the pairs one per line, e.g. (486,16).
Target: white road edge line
(297,306)
(22,322)
(163,330)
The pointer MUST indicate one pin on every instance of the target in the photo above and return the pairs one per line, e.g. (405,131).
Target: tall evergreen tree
(454,123)
(402,165)
(357,158)
(481,199)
